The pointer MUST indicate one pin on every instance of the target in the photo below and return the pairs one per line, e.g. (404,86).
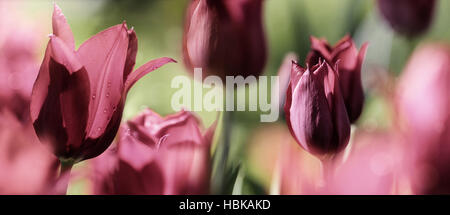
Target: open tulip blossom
(156,155)
(79,95)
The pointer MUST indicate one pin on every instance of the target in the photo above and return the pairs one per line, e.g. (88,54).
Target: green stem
(64,176)
(220,185)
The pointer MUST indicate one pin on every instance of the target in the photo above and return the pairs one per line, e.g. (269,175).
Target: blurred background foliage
(288,25)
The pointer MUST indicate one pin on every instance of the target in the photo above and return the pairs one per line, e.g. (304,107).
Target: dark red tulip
(156,155)
(315,110)
(423,105)
(78,96)
(408,17)
(349,61)
(225,37)
(26,167)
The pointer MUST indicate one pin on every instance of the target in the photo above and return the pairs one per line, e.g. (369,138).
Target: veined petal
(104,56)
(61,28)
(145,69)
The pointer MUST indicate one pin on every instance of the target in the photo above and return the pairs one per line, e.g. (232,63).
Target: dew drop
(105,110)
(93,97)
(107,95)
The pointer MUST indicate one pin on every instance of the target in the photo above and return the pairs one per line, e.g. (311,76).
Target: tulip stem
(327,165)
(64,176)
(220,185)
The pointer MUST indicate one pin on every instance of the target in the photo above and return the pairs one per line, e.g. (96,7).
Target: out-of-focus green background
(288,25)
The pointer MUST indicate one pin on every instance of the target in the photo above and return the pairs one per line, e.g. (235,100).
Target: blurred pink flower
(423,106)
(225,38)
(372,165)
(18,60)
(156,155)
(408,17)
(349,62)
(26,167)
(79,95)
(315,110)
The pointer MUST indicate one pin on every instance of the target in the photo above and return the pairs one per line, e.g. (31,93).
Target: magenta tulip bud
(423,106)
(225,38)
(78,97)
(408,17)
(350,61)
(156,155)
(315,110)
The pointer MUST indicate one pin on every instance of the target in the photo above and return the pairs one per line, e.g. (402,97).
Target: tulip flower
(315,110)
(408,17)
(79,95)
(349,61)
(225,38)
(26,167)
(156,155)
(423,104)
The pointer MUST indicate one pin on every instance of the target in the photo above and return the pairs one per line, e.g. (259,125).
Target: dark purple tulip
(408,17)
(423,105)
(349,61)
(315,110)
(156,155)
(225,37)
(79,95)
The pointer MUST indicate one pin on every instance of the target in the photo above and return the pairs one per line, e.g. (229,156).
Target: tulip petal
(310,116)
(131,53)
(339,113)
(145,69)
(135,153)
(61,28)
(104,56)
(63,55)
(59,104)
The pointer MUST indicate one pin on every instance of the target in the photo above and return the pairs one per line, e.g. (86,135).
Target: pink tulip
(349,61)
(26,167)
(315,110)
(156,155)
(225,37)
(423,105)
(408,17)
(79,95)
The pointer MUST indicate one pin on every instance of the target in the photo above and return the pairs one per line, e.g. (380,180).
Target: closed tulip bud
(408,17)
(78,96)
(156,155)
(423,105)
(225,37)
(349,61)
(315,110)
